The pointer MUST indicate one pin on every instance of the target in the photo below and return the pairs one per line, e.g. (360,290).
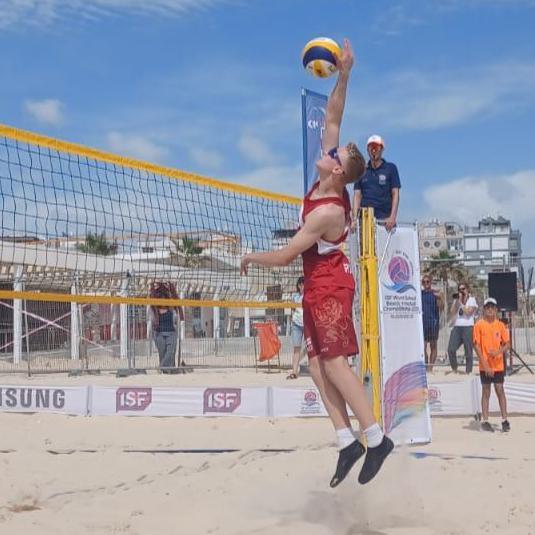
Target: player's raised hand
(346,59)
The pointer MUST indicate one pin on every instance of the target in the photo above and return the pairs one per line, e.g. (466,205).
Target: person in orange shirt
(491,340)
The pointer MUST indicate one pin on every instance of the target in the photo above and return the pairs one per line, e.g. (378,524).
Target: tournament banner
(520,397)
(313,106)
(58,399)
(162,401)
(296,401)
(454,398)
(406,417)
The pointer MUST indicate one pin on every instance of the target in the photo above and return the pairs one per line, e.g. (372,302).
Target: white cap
(490,301)
(376,139)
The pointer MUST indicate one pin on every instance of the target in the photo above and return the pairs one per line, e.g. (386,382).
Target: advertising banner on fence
(161,401)
(60,399)
(313,113)
(520,397)
(296,401)
(453,398)
(406,416)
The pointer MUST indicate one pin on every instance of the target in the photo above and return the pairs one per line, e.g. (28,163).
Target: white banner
(453,398)
(60,399)
(520,397)
(406,415)
(296,401)
(160,401)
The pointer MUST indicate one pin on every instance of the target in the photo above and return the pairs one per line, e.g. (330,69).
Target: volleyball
(319,56)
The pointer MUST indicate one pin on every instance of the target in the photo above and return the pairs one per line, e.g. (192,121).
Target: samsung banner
(406,416)
(313,112)
(38,398)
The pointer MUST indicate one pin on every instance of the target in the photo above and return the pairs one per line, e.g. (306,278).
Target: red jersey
(324,264)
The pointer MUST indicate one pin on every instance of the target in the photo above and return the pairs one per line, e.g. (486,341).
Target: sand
(75,475)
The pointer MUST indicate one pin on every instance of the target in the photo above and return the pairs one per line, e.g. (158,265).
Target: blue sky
(213,87)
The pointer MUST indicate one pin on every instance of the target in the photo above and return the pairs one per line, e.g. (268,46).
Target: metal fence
(47,339)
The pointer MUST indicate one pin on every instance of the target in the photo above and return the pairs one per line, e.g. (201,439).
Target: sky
(213,87)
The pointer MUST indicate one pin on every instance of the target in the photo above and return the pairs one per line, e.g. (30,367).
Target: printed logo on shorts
(308,344)
(310,403)
(221,400)
(132,399)
(329,315)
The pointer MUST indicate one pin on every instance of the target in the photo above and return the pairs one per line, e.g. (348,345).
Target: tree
(97,244)
(445,267)
(190,249)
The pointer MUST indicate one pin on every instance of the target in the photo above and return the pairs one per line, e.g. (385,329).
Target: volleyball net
(81,225)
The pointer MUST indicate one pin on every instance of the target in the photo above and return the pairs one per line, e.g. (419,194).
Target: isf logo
(221,400)
(132,399)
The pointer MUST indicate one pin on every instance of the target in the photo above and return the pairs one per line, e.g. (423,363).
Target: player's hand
(390,223)
(244,265)
(346,59)
(490,372)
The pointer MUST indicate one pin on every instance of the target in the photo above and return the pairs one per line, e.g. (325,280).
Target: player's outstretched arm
(316,225)
(336,103)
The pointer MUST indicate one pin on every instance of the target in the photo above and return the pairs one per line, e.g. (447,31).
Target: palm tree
(190,249)
(97,244)
(445,267)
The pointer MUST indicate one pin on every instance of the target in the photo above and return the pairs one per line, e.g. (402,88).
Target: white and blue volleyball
(319,56)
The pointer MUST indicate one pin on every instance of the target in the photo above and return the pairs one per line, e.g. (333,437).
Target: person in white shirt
(297,329)
(462,312)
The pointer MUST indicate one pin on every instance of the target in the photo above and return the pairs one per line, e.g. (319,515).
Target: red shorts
(328,322)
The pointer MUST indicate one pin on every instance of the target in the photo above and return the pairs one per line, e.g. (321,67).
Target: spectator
(165,321)
(379,186)
(297,329)
(491,340)
(431,300)
(462,313)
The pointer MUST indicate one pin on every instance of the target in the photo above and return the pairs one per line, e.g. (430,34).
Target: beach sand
(74,475)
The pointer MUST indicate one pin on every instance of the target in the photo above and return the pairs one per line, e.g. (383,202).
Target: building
(435,237)
(491,246)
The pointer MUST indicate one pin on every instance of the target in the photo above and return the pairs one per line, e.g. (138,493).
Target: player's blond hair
(355,164)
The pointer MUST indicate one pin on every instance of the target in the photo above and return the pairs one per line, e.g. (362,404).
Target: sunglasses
(333,153)
(462,289)
(426,281)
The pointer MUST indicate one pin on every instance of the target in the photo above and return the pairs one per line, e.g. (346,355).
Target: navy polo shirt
(376,186)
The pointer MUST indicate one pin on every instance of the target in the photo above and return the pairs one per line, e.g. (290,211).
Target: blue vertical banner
(313,106)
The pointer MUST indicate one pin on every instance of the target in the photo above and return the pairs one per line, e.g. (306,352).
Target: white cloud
(206,158)
(256,150)
(400,17)
(48,111)
(46,12)
(284,179)
(468,199)
(433,99)
(136,146)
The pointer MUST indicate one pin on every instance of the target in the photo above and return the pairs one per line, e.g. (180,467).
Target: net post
(18,286)
(370,363)
(247,322)
(75,325)
(123,318)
